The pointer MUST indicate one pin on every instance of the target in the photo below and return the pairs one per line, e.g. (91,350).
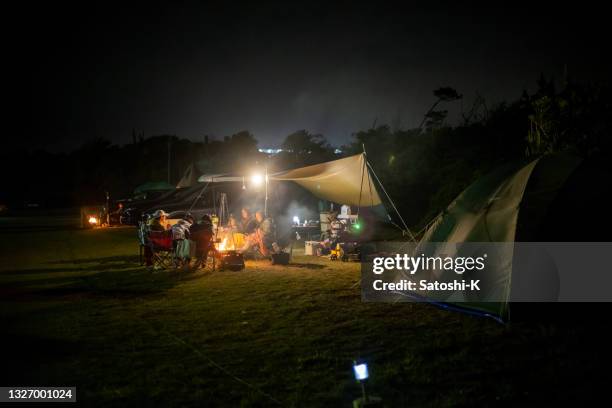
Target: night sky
(272,69)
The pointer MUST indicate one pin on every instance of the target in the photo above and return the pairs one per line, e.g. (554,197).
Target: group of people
(183,232)
(257,231)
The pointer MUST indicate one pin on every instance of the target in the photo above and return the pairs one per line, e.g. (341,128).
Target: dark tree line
(423,168)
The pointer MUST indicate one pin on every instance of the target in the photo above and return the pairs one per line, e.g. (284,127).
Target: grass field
(76,308)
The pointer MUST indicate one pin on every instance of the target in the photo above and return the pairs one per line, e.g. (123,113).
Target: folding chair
(162,251)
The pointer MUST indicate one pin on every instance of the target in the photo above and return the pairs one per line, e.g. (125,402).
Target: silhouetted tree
(433,117)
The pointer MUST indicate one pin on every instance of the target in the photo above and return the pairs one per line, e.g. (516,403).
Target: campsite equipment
(543,200)
(232,260)
(336,253)
(347,181)
(310,247)
(281,258)
(156,246)
(351,251)
(360,370)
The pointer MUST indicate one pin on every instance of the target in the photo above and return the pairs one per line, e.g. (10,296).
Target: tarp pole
(198,197)
(362,173)
(266,199)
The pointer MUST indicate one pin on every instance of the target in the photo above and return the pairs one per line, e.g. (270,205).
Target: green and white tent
(546,199)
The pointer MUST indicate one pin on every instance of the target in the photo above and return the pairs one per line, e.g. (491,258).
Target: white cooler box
(310,247)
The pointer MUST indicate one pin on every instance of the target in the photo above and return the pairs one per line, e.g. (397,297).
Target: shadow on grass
(126,259)
(117,276)
(96,265)
(307,265)
(129,283)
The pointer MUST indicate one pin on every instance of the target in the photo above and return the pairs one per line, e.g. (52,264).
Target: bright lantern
(257,179)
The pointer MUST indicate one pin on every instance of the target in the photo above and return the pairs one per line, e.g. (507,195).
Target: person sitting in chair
(266,232)
(159,221)
(180,240)
(156,223)
(232,224)
(263,237)
(247,224)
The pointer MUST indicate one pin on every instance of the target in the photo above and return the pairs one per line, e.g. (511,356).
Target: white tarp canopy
(344,181)
(219,178)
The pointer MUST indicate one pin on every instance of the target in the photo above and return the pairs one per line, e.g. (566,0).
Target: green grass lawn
(76,308)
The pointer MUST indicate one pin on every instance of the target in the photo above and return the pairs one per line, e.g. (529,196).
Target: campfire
(226,244)
(226,253)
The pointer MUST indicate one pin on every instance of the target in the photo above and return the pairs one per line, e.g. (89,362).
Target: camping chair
(162,250)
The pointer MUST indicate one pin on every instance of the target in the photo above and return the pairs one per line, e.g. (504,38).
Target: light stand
(266,199)
(361,375)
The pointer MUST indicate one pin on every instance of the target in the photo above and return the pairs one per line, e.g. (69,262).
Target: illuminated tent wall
(510,204)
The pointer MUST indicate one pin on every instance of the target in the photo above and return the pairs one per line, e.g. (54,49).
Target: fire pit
(232,260)
(226,256)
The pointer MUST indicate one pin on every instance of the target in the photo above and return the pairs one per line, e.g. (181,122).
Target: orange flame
(225,245)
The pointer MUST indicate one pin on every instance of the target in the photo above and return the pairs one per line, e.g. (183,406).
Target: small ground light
(361,372)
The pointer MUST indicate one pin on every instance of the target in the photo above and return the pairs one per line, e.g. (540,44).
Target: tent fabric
(487,211)
(153,186)
(341,181)
(190,177)
(220,178)
(491,210)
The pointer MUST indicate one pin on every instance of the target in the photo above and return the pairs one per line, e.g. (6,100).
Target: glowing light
(93,220)
(296,220)
(357,226)
(221,246)
(361,371)
(257,179)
